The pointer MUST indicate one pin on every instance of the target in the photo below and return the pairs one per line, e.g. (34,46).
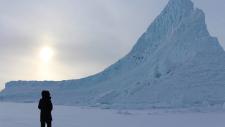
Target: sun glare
(46,54)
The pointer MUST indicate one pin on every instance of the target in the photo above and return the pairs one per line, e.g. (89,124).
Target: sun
(46,54)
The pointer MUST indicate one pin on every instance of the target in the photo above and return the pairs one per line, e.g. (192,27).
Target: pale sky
(70,39)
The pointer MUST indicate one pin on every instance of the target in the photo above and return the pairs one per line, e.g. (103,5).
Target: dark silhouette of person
(45,106)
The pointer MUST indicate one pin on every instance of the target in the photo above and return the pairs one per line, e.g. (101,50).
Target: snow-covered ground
(27,115)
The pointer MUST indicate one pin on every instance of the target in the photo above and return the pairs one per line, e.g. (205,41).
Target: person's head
(46,94)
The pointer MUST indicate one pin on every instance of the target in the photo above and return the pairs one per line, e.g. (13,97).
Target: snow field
(27,115)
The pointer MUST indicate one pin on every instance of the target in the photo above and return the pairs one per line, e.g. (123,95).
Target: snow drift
(175,63)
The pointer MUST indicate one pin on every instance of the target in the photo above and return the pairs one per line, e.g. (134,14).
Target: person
(45,106)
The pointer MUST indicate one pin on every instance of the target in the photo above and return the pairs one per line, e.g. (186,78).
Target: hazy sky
(68,39)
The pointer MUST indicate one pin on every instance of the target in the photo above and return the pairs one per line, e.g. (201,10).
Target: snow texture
(176,63)
(27,115)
